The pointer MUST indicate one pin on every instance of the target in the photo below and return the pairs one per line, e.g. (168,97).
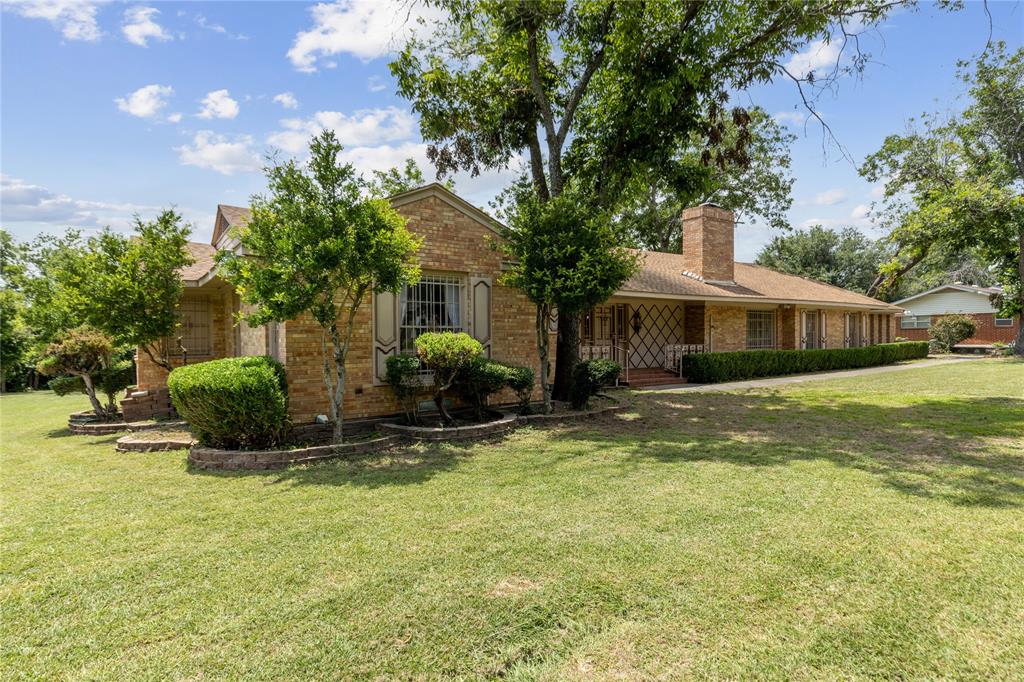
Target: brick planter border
(134,444)
(227,460)
(506,421)
(83,427)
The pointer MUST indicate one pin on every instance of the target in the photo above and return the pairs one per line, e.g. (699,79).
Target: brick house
(924,309)
(697,301)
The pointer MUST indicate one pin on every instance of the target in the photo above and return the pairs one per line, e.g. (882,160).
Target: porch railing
(608,351)
(674,353)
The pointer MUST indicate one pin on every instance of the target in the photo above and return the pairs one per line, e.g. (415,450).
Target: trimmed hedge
(710,368)
(234,403)
(589,377)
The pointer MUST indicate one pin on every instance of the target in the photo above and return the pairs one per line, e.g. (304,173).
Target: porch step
(644,378)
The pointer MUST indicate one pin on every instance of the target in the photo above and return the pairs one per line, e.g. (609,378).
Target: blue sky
(114,108)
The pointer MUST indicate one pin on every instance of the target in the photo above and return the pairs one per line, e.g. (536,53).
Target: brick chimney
(708,243)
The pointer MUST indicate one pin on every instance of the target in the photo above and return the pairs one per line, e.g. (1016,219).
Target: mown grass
(854,528)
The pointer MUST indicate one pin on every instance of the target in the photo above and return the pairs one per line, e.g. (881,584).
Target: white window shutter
(480,298)
(385,331)
(822,329)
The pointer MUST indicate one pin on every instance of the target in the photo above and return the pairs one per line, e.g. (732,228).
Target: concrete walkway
(800,378)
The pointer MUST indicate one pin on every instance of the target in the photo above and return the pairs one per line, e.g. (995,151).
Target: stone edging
(133,444)
(492,428)
(213,458)
(86,428)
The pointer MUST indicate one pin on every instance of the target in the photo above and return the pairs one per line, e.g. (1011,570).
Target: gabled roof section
(663,274)
(969,288)
(228,217)
(201,270)
(439,191)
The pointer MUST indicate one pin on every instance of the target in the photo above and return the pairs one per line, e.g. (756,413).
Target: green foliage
(404,377)
(446,354)
(129,287)
(83,352)
(757,188)
(234,402)
(14,341)
(110,381)
(520,380)
(949,330)
(590,377)
(710,368)
(394,181)
(958,184)
(480,379)
(845,258)
(318,244)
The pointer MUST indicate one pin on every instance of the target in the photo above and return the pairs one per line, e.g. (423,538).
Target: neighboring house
(924,309)
(676,303)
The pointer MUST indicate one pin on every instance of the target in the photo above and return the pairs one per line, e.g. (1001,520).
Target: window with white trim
(915,322)
(1004,321)
(760,329)
(194,328)
(812,333)
(434,304)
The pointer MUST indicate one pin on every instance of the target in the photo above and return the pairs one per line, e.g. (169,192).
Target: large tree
(129,287)
(845,258)
(756,186)
(319,244)
(959,184)
(600,92)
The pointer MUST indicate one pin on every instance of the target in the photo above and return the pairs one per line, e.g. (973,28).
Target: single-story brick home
(696,301)
(924,309)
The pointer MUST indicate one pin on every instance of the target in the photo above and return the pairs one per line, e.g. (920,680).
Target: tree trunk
(90,391)
(567,353)
(544,352)
(446,418)
(1018,345)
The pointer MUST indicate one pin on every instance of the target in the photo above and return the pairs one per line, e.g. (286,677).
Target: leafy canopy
(845,258)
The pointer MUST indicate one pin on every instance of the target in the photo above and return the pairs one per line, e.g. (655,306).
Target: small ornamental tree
(129,287)
(318,243)
(562,257)
(82,352)
(446,354)
(950,330)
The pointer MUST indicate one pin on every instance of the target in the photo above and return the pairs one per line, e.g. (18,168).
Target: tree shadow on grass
(965,451)
(403,465)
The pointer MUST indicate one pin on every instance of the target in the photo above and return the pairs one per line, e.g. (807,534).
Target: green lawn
(854,528)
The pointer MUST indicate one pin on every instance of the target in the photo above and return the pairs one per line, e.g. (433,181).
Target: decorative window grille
(434,304)
(194,328)
(760,329)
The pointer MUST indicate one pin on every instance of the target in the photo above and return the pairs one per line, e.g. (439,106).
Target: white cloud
(363,28)
(175,117)
(878,191)
(287,100)
(795,118)
(204,23)
(23,202)
(819,56)
(219,153)
(146,102)
(75,19)
(860,212)
(363,128)
(218,104)
(139,26)
(376,84)
(830,197)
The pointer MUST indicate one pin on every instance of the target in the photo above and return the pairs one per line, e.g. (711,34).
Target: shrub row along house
(925,309)
(696,301)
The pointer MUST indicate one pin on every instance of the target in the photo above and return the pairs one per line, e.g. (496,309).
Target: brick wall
(708,235)
(987,332)
(453,243)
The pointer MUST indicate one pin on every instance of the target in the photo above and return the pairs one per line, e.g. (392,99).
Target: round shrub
(479,379)
(234,403)
(445,354)
(949,330)
(590,377)
(405,378)
(520,380)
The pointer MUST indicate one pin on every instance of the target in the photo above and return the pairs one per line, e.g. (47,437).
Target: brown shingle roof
(203,255)
(663,274)
(228,217)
